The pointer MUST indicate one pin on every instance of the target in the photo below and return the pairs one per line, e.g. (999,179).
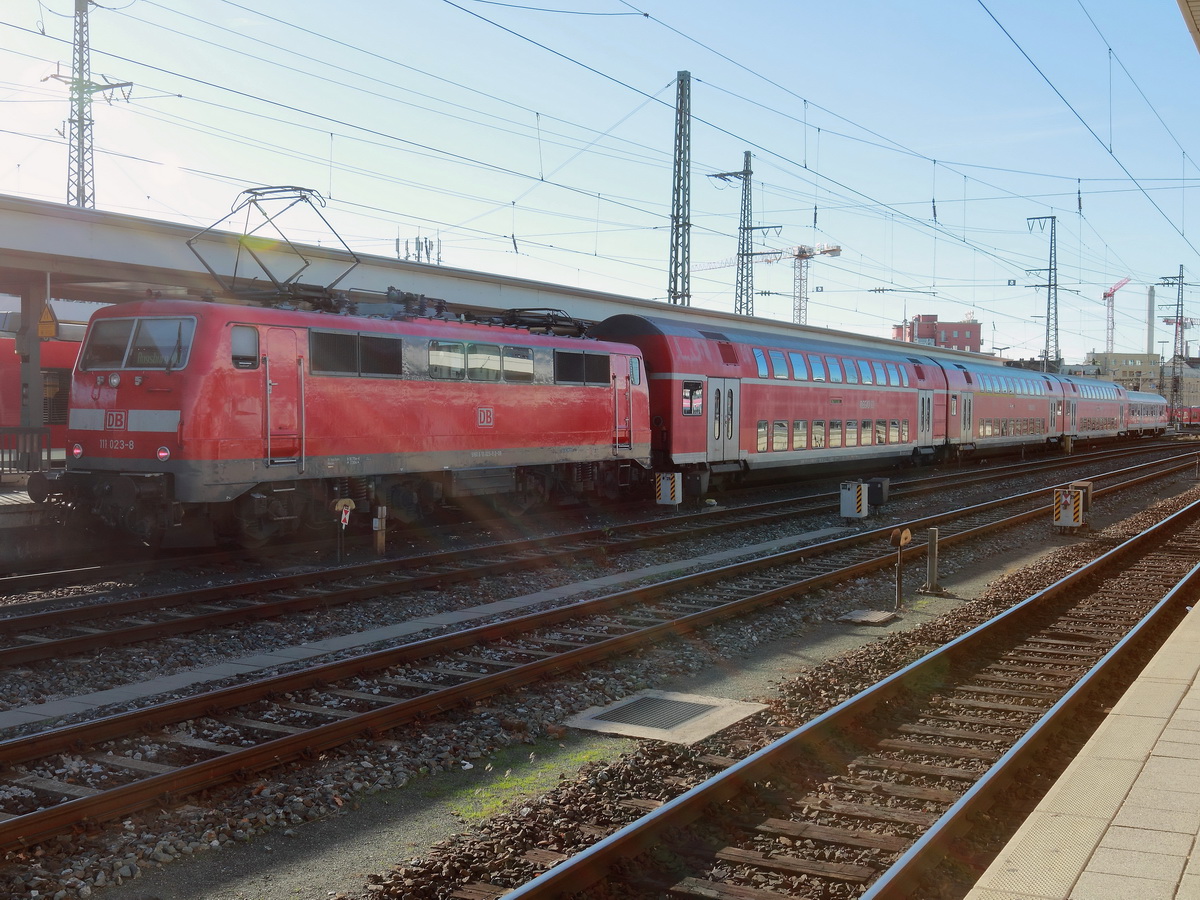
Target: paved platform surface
(1123,820)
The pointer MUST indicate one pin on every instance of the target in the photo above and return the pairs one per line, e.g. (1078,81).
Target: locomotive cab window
(635,370)
(107,341)
(243,346)
(158,342)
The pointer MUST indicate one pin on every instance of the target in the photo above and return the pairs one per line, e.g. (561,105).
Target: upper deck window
(778,364)
(159,342)
(760,360)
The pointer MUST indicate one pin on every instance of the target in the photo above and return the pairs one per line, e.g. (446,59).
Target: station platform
(1123,820)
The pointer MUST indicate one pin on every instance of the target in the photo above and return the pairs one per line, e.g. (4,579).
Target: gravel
(324,831)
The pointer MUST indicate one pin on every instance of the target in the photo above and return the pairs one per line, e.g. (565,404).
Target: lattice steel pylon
(1180,345)
(1051,349)
(81,176)
(679,289)
(743,302)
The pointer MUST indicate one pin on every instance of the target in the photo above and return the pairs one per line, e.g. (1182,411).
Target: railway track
(144,563)
(867,799)
(85,774)
(68,631)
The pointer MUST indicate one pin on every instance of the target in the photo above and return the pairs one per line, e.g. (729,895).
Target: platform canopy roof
(1191,15)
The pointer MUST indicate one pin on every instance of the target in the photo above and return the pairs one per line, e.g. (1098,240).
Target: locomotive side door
(723,414)
(281,370)
(622,404)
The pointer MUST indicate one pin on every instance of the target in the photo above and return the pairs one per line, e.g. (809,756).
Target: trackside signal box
(1068,508)
(1086,487)
(854,500)
(668,488)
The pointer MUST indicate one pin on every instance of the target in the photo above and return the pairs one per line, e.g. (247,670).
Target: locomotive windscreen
(151,343)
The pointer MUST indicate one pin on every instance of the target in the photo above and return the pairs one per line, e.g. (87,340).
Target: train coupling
(41,486)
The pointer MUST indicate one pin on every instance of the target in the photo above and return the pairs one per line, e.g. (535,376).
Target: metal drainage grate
(655,712)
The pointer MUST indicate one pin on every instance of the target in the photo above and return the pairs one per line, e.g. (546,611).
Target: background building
(926,329)
(1136,371)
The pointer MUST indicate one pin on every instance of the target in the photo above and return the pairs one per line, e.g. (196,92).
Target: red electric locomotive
(188,417)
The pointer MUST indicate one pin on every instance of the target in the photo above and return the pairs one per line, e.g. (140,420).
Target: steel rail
(30,828)
(592,865)
(522,554)
(899,880)
(15,584)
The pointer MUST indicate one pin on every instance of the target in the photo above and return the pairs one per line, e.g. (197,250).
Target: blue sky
(534,139)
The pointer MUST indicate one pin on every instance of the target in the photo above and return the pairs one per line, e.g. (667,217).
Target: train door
(282,371)
(1071,417)
(622,404)
(968,416)
(723,413)
(925,418)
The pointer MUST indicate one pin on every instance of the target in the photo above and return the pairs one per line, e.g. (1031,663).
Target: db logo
(485,416)
(116,419)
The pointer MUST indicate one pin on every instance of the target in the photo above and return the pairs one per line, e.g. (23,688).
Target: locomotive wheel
(144,525)
(253,534)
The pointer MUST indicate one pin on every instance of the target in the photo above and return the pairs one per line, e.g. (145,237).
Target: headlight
(77,450)
(164,454)
(114,379)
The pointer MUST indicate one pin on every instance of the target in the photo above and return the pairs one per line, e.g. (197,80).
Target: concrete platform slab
(1122,820)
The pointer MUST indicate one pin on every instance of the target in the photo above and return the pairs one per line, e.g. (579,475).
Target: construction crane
(800,257)
(1109,307)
